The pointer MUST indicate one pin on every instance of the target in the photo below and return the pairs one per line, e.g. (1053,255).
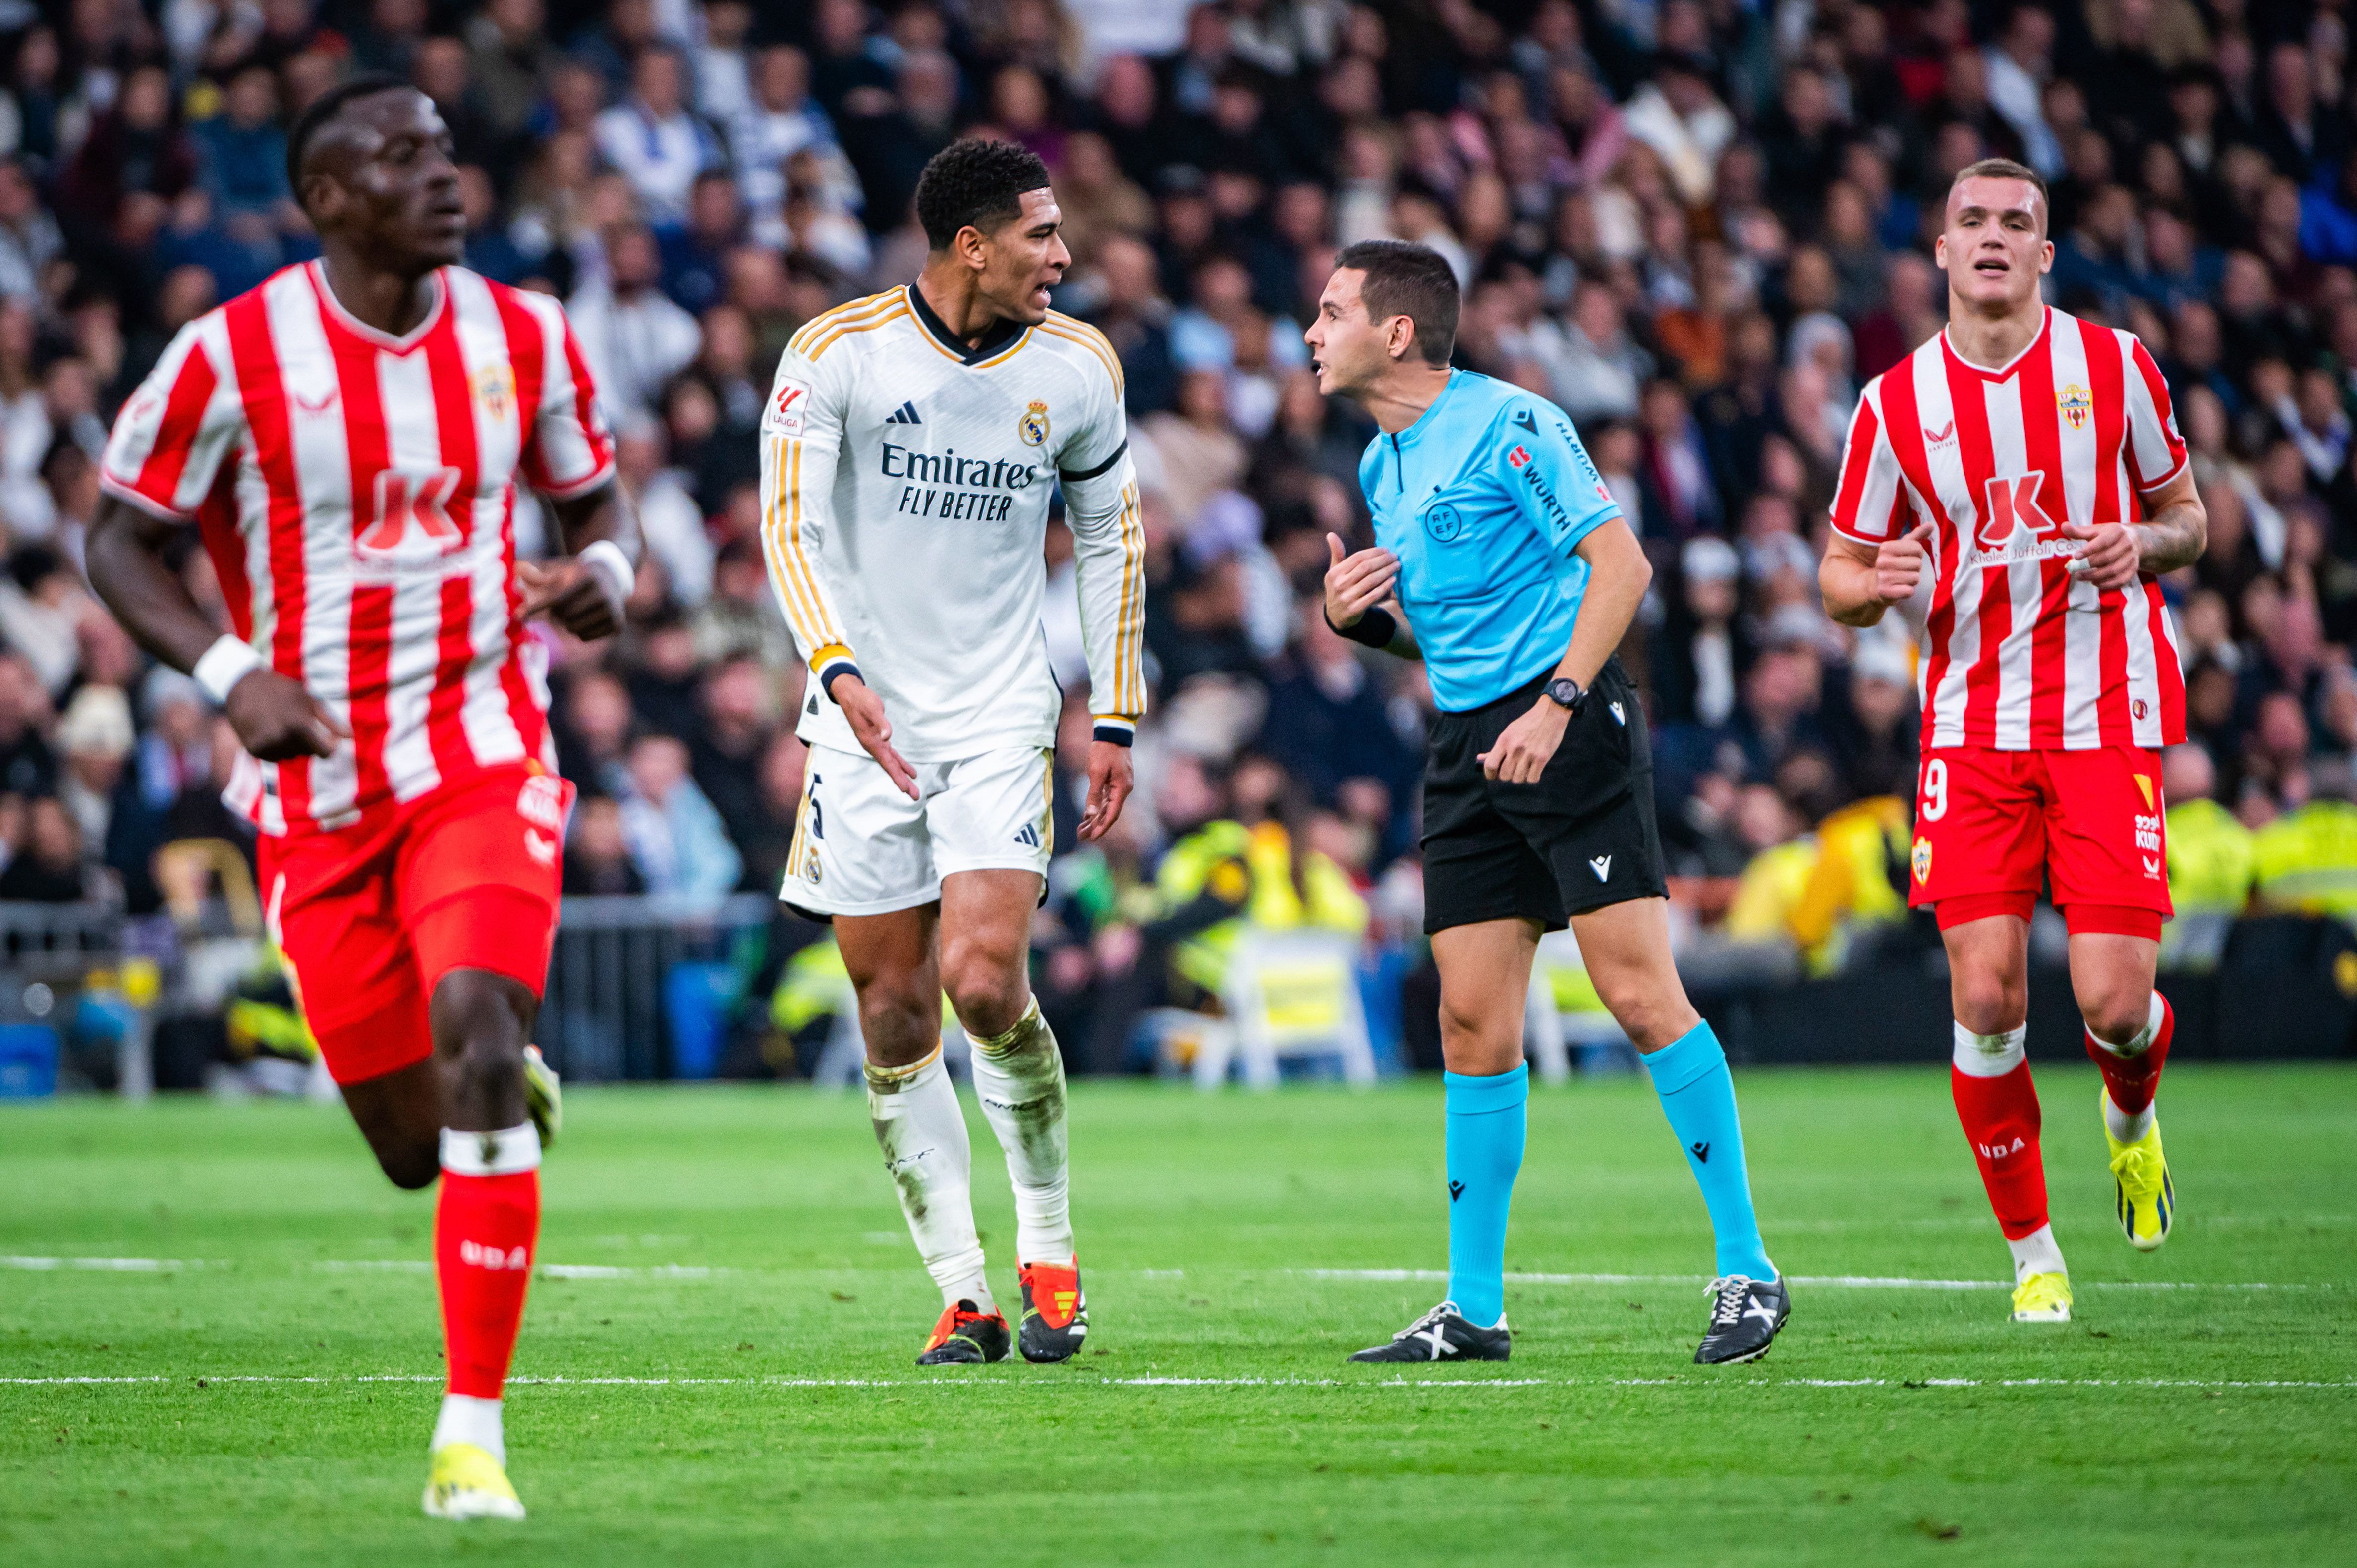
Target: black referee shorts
(1581,838)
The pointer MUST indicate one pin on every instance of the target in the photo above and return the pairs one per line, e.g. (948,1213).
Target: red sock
(484,1230)
(2000,1118)
(2130,1080)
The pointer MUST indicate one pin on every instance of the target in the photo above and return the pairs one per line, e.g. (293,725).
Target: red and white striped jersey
(356,493)
(2019,652)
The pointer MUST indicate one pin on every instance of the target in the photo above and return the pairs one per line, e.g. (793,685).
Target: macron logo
(1602,866)
(904,415)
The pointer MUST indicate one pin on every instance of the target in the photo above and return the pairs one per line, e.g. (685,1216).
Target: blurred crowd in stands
(1697,225)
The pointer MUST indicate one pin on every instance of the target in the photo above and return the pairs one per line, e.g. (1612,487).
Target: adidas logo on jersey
(904,415)
(1027,836)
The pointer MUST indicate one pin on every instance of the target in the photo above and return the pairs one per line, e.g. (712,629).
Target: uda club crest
(1923,860)
(2076,404)
(1033,426)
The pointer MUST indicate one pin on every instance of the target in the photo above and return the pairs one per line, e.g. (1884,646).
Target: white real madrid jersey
(906,477)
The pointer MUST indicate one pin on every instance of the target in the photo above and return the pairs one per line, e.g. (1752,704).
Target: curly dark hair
(976,183)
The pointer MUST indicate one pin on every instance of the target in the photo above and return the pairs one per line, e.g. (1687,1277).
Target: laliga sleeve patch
(787,403)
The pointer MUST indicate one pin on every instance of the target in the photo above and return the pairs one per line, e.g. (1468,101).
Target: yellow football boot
(2140,1176)
(544,1095)
(466,1482)
(2042,1298)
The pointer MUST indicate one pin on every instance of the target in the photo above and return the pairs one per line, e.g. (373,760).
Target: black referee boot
(1745,1314)
(1443,1335)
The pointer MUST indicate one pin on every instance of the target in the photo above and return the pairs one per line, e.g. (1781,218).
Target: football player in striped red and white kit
(2027,464)
(346,440)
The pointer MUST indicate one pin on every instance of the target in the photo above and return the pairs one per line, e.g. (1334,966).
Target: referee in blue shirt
(1502,560)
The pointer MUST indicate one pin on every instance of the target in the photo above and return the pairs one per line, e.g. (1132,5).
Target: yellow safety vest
(2307,860)
(2212,860)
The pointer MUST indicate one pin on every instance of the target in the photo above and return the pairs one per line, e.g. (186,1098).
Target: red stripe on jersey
(2113,724)
(1995,612)
(251,352)
(1905,424)
(176,436)
(225,548)
(371,631)
(2156,386)
(531,723)
(2170,678)
(1862,434)
(2041,433)
(600,451)
(453,421)
(526,352)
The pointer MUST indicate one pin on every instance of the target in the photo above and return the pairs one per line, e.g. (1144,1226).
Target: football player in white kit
(909,450)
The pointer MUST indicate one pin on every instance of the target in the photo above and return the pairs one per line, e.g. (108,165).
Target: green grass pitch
(717,1363)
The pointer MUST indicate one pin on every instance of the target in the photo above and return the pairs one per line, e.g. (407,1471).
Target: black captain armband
(1375,628)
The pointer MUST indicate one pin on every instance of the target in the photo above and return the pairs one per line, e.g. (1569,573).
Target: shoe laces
(1728,1293)
(2133,1167)
(1426,1322)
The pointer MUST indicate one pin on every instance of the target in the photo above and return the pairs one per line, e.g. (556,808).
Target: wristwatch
(1567,692)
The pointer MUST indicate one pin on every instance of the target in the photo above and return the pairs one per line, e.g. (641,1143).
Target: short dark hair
(2008,168)
(1411,280)
(326,107)
(975,183)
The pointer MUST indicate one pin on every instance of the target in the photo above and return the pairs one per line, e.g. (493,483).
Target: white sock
(2127,1126)
(2036,1254)
(466,1419)
(1019,1077)
(1990,1056)
(922,1134)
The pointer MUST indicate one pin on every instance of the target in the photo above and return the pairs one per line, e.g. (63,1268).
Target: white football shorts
(862,847)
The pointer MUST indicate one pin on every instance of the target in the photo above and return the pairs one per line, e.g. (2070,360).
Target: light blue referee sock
(1698,1096)
(1487,1124)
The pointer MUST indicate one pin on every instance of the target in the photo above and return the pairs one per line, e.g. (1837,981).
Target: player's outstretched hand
(1898,564)
(1110,782)
(865,709)
(2112,559)
(1357,583)
(278,721)
(1526,745)
(574,595)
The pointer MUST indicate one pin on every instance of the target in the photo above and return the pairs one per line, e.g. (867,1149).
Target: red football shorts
(1992,827)
(372,917)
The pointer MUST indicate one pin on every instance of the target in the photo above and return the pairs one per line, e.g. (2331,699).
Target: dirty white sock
(1019,1077)
(2036,1254)
(923,1133)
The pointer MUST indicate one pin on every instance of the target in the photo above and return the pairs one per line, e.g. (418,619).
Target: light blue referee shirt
(1483,499)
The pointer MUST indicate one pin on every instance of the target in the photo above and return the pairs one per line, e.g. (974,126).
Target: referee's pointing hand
(1357,583)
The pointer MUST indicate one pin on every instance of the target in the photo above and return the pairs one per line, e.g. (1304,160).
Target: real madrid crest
(1033,425)
(2076,404)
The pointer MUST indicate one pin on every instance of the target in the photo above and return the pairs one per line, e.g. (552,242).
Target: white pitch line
(1842,1281)
(1373,1276)
(108,1265)
(1702,1381)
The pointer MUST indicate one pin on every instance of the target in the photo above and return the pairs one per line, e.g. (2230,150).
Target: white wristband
(613,571)
(224,665)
